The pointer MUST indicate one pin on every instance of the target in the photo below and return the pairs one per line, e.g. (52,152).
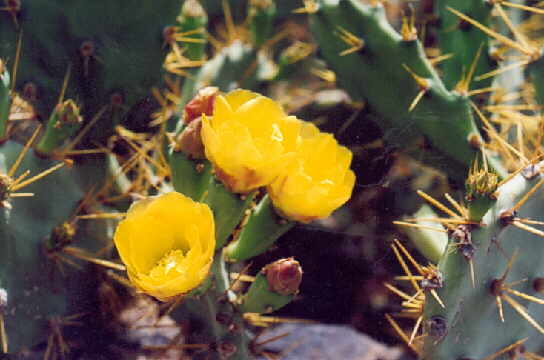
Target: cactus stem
(355,43)
(501,38)
(506,349)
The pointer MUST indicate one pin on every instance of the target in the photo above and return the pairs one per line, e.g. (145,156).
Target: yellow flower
(317,182)
(249,139)
(167,244)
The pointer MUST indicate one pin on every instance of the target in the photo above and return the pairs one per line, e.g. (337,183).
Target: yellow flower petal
(167,243)
(317,182)
(249,140)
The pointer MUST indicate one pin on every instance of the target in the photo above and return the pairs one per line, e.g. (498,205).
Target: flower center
(168,262)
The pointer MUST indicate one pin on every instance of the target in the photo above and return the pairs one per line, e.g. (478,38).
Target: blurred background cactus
(102,106)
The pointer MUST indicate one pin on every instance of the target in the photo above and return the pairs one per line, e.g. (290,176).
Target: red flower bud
(202,103)
(284,276)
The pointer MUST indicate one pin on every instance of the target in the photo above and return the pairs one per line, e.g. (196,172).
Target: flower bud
(190,142)
(274,287)
(284,276)
(202,103)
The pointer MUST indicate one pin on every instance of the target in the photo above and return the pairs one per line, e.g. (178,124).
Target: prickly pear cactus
(480,297)
(142,125)
(88,72)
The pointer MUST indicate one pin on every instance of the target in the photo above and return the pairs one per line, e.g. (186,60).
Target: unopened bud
(284,276)
(202,103)
(190,142)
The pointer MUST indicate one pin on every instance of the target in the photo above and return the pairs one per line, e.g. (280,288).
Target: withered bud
(202,103)
(190,142)
(68,113)
(62,235)
(284,276)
